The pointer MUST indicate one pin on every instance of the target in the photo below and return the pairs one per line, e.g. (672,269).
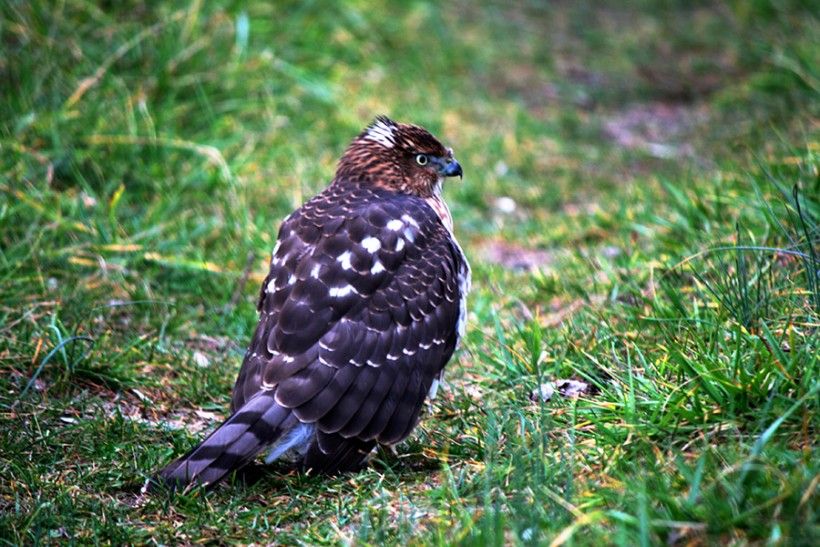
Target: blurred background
(149,150)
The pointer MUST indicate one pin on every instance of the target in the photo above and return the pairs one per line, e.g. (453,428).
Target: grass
(663,163)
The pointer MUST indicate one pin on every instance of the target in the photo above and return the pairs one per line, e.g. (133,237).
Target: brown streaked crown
(398,156)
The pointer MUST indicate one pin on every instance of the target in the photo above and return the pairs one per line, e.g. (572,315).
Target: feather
(353,399)
(404,411)
(241,437)
(332,453)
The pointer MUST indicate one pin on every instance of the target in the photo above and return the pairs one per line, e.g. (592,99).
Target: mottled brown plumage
(363,306)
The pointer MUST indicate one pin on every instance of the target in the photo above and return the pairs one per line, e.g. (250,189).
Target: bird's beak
(452,169)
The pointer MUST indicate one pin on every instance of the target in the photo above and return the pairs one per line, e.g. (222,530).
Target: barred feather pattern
(359,314)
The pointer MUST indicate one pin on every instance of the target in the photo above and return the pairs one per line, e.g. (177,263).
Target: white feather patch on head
(382,133)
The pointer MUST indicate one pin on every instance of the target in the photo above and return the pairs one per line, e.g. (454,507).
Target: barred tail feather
(256,425)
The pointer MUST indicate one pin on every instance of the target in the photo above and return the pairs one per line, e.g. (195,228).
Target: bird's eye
(422,159)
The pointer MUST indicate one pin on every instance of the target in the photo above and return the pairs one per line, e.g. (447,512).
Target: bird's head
(400,157)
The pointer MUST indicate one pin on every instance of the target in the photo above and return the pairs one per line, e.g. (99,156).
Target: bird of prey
(364,304)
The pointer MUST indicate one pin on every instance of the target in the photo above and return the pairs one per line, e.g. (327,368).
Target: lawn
(640,207)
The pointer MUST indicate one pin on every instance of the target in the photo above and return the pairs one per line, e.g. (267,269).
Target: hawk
(364,304)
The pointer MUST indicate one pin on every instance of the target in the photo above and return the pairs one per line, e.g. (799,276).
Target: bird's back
(358,313)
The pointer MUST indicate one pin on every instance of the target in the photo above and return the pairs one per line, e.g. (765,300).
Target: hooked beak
(451,169)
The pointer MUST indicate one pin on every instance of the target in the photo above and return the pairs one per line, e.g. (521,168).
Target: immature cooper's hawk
(363,306)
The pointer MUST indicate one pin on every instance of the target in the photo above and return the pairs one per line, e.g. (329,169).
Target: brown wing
(358,317)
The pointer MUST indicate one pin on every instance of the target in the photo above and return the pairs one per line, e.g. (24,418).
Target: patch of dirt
(211,344)
(134,405)
(205,349)
(190,419)
(515,257)
(660,129)
(559,311)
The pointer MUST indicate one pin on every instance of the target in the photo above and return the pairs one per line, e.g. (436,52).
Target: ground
(640,207)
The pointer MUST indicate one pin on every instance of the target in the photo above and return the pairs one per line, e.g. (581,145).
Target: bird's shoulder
(343,203)
(346,241)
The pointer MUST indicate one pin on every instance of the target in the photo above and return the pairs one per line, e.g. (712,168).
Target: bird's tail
(257,424)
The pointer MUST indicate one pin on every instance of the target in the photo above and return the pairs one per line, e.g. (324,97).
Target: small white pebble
(505,205)
(201,359)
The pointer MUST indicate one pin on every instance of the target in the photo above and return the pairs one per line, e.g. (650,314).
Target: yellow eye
(422,159)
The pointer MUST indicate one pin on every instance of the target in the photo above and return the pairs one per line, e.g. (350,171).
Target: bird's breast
(443,213)
(441,210)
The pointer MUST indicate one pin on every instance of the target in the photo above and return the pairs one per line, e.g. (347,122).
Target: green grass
(148,152)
